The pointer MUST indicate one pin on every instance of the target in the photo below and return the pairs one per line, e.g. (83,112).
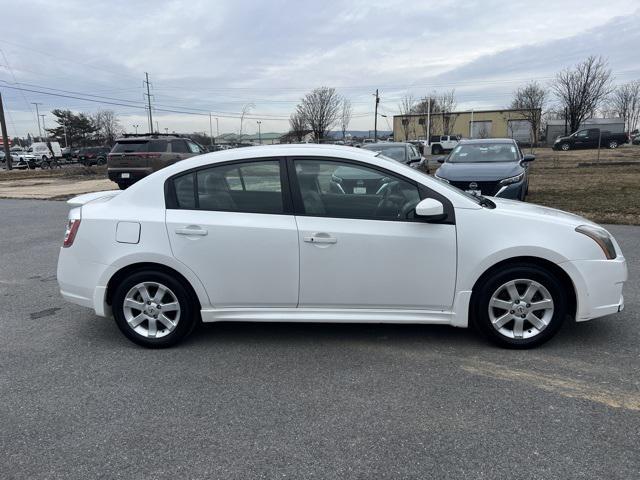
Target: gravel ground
(239,401)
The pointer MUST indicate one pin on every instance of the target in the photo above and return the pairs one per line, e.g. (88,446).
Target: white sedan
(313,233)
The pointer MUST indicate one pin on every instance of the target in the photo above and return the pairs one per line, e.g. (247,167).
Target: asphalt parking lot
(77,400)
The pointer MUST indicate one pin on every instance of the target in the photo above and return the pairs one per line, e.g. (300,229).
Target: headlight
(601,237)
(441,179)
(510,180)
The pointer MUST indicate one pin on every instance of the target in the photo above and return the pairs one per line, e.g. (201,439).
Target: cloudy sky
(221,55)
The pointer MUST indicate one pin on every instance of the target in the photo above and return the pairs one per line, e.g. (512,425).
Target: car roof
(474,141)
(385,144)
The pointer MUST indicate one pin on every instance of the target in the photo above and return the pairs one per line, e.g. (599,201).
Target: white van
(41,150)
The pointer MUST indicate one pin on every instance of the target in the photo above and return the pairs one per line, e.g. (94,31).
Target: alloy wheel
(521,309)
(151,309)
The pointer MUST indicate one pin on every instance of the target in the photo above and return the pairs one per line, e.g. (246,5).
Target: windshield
(483,153)
(393,152)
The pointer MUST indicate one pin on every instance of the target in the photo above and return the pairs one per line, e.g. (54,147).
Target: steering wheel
(391,197)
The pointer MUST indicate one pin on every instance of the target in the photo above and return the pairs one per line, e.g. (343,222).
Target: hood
(524,209)
(486,171)
(560,139)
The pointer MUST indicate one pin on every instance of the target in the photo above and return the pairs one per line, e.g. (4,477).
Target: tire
(123,185)
(150,326)
(565,147)
(436,150)
(613,144)
(496,290)
(101,161)
(44,165)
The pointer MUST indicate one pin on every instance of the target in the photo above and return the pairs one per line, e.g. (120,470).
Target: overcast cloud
(219,55)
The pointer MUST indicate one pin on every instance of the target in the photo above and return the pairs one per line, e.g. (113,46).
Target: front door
(228,224)
(360,246)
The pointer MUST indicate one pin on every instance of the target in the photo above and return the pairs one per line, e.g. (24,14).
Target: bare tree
(345,117)
(531,99)
(406,106)
(320,110)
(107,126)
(625,102)
(447,104)
(246,109)
(582,90)
(298,126)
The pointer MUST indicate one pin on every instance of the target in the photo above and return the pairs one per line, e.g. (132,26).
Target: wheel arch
(556,270)
(127,270)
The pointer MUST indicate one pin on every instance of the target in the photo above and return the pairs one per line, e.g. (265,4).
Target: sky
(219,56)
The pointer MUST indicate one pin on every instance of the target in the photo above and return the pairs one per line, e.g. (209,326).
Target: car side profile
(322,233)
(402,152)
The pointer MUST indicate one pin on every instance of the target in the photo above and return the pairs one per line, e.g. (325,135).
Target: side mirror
(439,159)
(528,158)
(430,209)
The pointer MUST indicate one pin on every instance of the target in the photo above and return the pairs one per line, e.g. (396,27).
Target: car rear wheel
(436,150)
(613,144)
(153,309)
(565,146)
(520,306)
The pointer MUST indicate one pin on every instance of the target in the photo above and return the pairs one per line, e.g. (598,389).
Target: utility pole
(136,127)
(44,127)
(375,121)
(149,102)
(157,127)
(210,130)
(428,121)
(217,128)
(38,117)
(5,137)
(259,133)
(66,140)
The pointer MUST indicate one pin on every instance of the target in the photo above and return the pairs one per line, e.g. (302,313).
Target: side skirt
(326,315)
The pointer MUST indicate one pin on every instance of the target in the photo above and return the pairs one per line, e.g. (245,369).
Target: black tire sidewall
(185,299)
(481,297)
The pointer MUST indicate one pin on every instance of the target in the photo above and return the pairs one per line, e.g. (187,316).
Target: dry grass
(605,193)
(68,172)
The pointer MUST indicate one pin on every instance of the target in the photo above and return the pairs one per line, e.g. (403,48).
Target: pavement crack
(44,313)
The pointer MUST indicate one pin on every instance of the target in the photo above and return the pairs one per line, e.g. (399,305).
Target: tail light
(70,233)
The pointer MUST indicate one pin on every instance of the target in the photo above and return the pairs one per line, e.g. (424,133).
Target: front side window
(583,134)
(193,148)
(346,190)
(250,187)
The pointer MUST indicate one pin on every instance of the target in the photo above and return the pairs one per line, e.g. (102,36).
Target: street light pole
(259,133)
(66,141)
(375,121)
(217,128)
(136,127)
(210,130)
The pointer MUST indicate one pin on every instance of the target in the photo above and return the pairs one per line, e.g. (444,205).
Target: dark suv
(93,156)
(136,156)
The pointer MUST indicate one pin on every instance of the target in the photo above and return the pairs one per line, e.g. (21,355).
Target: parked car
(22,159)
(93,156)
(135,156)
(636,140)
(590,138)
(439,144)
(257,234)
(401,152)
(493,167)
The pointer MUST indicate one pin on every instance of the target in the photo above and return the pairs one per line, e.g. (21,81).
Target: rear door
(232,224)
(360,246)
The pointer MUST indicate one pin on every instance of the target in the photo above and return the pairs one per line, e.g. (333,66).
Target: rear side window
(179,146)
(193,147)
(140,146)
(251,187)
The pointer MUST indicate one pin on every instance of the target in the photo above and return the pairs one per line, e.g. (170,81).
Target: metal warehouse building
(556,128)
(469,124)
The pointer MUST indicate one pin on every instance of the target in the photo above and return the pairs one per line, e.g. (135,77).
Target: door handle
(320,238)
(191,231)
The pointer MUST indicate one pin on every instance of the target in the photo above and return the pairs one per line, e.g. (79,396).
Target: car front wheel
(565,147)
(613,144)
(153,309)
(519,306)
